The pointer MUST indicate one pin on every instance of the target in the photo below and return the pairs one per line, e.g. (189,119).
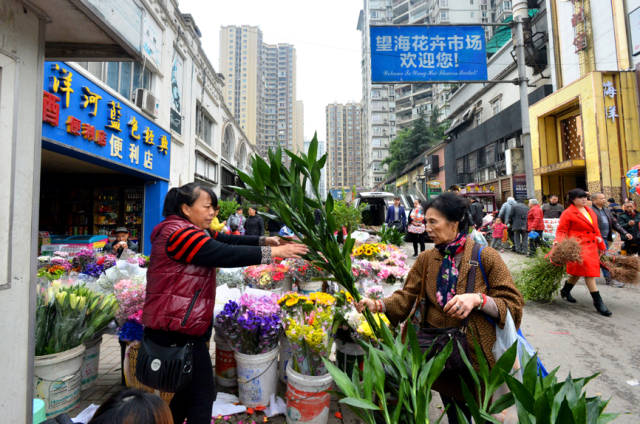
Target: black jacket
(518,217)
(476,213)
(613,224)
(254,226)
(272,225)
(624,219)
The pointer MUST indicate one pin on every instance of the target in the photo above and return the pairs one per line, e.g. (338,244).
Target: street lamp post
(520,15)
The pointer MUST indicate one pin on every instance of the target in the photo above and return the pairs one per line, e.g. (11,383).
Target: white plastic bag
(478,237)
(505,338)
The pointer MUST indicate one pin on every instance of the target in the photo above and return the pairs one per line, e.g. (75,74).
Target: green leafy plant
(539,280)
(396,381)
(540,400)
(348,216)
(391,235)
(227,207)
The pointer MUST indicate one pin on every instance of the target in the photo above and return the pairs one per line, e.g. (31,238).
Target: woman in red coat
(580,222)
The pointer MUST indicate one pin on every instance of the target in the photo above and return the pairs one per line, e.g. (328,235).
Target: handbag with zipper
(437,338)
(166,368)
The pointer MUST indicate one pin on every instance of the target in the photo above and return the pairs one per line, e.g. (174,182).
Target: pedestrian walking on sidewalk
(416,228)
(181,289)
(535,224)
(629,222)
(553,209)
(440,278)
(518,221)
(254,225)
(581,223)
(607,223)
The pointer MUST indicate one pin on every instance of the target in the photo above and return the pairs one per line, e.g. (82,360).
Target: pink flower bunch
(265,277)
(261,305)
(130,295)
(136,317)
(374,292)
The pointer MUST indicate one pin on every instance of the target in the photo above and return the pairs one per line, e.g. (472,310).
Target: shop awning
(566,167)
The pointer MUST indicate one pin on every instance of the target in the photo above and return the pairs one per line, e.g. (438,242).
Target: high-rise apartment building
(378,100)
(344,145)
(278,115)
(240,64)
(261,88)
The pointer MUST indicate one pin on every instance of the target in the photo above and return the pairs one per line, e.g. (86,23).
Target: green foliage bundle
(409,142)
(348,216)
(539,280)
(391,235)
(227,207)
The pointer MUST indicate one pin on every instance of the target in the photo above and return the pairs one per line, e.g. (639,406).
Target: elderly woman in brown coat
(440,276)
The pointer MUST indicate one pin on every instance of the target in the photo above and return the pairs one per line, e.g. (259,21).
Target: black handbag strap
(471,276)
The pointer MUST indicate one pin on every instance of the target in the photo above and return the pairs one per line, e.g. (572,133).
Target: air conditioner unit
(146,101)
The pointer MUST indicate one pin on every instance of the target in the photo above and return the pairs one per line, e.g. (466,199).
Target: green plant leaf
(520,393)
(359,403)
(564,414)
(341,379)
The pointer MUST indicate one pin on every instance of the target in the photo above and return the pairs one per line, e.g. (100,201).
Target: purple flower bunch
(109,261)
(93,269)
(252,325)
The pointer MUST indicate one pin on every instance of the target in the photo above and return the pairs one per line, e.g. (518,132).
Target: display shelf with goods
(133,209)
(106,210)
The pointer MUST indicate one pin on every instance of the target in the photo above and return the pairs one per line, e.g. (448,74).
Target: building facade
(261,88)
(344,146)
(378,100)
(586,133)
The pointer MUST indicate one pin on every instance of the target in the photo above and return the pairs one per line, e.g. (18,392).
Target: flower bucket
(348,355)
(257,377)
(225,363)
(308,400)
(56,379)
(90,362)
(285,357)
(308,287)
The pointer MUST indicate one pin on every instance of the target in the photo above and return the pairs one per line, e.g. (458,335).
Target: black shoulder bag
(437,338)
(165,368)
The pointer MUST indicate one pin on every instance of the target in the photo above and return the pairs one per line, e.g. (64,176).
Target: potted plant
(252,326)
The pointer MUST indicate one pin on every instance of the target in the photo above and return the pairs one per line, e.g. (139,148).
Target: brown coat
(501,289)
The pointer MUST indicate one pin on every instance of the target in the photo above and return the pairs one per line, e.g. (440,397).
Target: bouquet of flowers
(132,330)
(68,316)
(265,277)
(122,270)
(53,268)
(130,295)
(302,270)
(349,324)
(369,251)
(252,325)
(308,321)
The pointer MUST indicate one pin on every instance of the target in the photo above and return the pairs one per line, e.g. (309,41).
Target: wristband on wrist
(484,300)
(481,302)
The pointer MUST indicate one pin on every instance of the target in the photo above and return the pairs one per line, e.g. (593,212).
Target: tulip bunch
(67,316)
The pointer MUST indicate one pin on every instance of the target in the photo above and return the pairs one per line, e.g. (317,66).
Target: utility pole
(520,15)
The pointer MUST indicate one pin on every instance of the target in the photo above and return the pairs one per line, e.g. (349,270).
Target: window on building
(124,77)
(206,169)
(496,105)
(204,125)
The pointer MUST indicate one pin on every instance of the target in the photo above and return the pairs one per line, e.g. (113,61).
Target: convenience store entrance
(79,198)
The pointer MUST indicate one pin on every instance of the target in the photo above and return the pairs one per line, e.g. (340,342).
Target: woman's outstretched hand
(272,241)
(370,304)
(289,250)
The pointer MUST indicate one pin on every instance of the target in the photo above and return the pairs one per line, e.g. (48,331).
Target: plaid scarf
(448,275)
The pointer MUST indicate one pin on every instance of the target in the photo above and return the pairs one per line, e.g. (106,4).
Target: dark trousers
(632,247)
(605,272)
(520,241)
(195,401)
(415,246)
(535,243)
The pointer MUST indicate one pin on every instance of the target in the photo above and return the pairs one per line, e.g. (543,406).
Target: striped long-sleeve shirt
(199,247)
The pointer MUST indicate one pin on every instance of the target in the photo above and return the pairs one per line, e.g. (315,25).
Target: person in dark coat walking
(629,222)
(553,209)
(518,222)
(477,212)
(254,225)
(273,225)
(607,224)
(396,216)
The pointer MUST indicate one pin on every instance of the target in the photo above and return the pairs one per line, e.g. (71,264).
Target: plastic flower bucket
(308,287)
(257,377)
(285,357)
(57,379)
(225,363)
(348,356)
(90,362)
(308,400)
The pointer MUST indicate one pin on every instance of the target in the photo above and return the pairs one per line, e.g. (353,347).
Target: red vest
(179,297)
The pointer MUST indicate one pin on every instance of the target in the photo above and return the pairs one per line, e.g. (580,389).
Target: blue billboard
(79,115)
(427,54)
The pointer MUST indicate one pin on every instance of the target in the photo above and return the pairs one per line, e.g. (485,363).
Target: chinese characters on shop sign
(77,112)
(427,53)
(608,90)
